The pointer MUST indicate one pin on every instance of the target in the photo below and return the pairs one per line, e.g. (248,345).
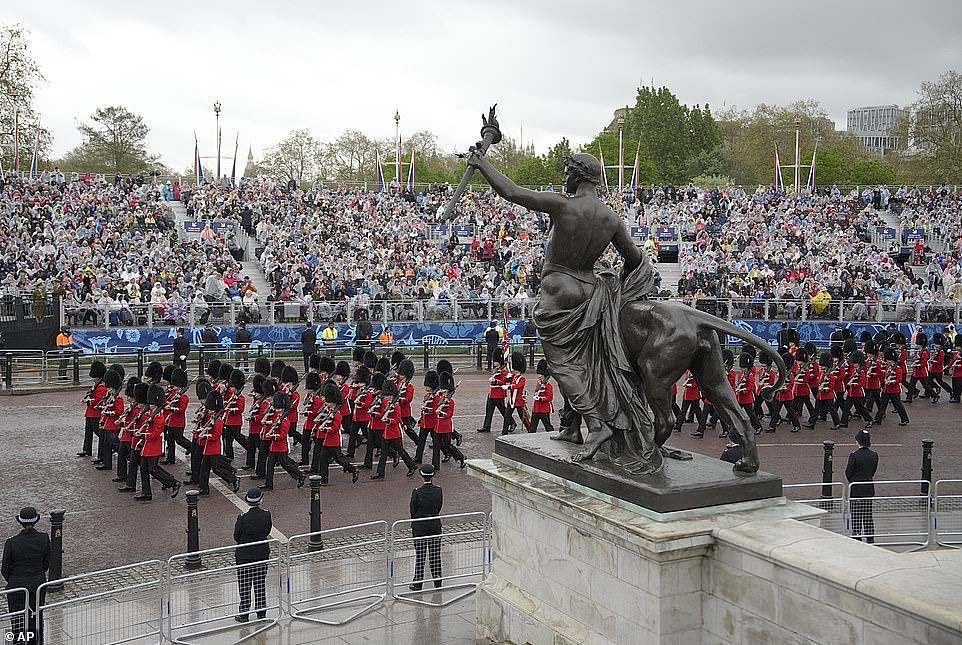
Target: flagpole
(16,141)
(621,154)
(217,116)
(397,138)
(798,160)
(233,170)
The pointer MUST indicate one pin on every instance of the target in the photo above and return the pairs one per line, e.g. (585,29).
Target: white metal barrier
(18,619)
(948,512)
(205,590)
(834,505)
(893,516)
(428,563)
(337,569)
(119,605)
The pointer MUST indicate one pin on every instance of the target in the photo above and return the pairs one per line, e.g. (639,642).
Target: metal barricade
(16,618)
(457,555)
(26,366)
(119,605)
(203,598)
(343,568)
(948,512)
(834,519)
(891,518)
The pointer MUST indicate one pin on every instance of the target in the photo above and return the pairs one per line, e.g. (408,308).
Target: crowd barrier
(814,495)
(948,512)
(15,618)
(328,577)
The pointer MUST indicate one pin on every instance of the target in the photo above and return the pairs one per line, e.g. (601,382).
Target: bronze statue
(612,350)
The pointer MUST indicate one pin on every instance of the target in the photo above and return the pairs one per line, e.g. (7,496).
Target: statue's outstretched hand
(475,156)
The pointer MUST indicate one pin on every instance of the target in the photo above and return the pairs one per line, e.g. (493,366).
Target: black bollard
(927,465)
(829,448)
(200,361)
(424,345)
(140,362)
(315,543)
(478,345)
(76,368)
(8,370)
(193,531)
(56,547)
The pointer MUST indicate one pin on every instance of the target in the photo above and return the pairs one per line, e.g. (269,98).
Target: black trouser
(686,408)
(105,448)
(423,434)
(824,406)
(839,401)
(777,411)
(873,398)
(230,435)
(492,354)
(540,417)
(196,456)
(358,433)
(221,468)
(285,462)
(175,437)
(431,547)
(149,467)
(395,447)
(804,401)
(896,401)
(16,603)
(859,403)
(91,427)
(408,423)
(956,388)
(181,364)
(489,407)
(509,420)
(263,449)
(706,410)
(133,467)
(374,438)
(914,390)
(936,383)
(306,438)
(123,456)
(252,576)
(252,442)
(442,443)
(863,524)
(329,454)
(749,409)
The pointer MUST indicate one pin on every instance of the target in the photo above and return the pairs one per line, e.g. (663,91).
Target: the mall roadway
(40,434)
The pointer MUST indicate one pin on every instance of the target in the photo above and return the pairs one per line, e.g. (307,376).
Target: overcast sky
(557,67)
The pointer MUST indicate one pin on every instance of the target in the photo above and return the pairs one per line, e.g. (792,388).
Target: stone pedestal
(573,566)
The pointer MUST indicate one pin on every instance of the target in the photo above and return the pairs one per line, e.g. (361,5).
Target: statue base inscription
(680,486)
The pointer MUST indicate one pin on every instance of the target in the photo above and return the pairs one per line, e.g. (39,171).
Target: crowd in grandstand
(111,251)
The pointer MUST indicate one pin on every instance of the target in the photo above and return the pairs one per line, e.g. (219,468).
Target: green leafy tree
(114,141)
(934,128)
(20,76)
(298,156)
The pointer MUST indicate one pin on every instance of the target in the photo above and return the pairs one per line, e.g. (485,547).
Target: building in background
(875,126)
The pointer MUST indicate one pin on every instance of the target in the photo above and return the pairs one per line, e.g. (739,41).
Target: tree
(20,76)
(554,161)
(298,156)
(115,141)
(352,155)
(606,144)
(935,128)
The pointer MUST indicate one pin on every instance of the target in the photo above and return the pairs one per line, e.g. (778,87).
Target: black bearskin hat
(154,371)
(117,367)
(406,368)
(268,387)
(332,394)
(383,365)
(431,379)
(825,359)
(848,334)
(377,380)
(728,357)
(363,375)
(202,388)
(257,384)
(277,368)
(214,401)
(237,380)
(262,366)
(857,357)
(865,336)
(849,345)
(213,370)
(789,360)
(314,362)
(801,355)
(289,375)
(444,365)
(898,338)
(342,368)
(155,395)
(447,381)
(370,360)
(389,388)
(140,393)
(765,359)
(281,401)
(396,357)
(517,362)
(921,339)
(326,365)
(751,350)
(113,380)
(357,354)
(745,360)
(871,348)
(891,354)
(97,370)
(835,351)
(811,348)
(939,339)
(958,341)
(223,374)
(168,370)
(542,368)
(313,381)
(178,378)
(131,386)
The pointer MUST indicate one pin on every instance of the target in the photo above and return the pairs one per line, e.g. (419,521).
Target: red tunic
(332,437)
(826,387)
(212,444)
(936,362)
(842,373)
(154,444)
(517,391)
(691,393)
(176,416)
(292,415)
(746,388)
(362,412)
(100,391)
(956,364)
(873,374)
(392,428)
(445,414)
(111,416)
(896,386)
(128,423)
(787,391)
(279,437)
(404,402)
(376,410)
(542,402)
(235,413)
(313,403)
(428,417)
(921,369)
(497,381)
(855,383)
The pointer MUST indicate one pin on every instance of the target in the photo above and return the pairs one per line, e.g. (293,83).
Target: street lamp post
(217,117)
(397,138)
(621,154)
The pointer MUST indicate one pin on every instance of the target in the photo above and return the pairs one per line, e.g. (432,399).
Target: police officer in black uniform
(253,526)
(492,338)
(861,467)
(181,350)
(426,501)
(26,558)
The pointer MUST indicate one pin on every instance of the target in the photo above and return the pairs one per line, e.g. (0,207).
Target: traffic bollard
(56,547)
(76,368)
(829,448)
(193,531)
(426,360)
(315,543)
(927,465)
(140,363)
(478,346)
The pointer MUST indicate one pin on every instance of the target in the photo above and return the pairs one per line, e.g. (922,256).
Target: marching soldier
(313,405)
(920,369)
(92,415)
(126,423)
(328,434)
(954,368)
(253,428)
(148,446)
(745,389)
(543,396)
(516,393)
(211,432)
(112,409)
(892,377)
(177,401)
(873,377)
(855,390)
(444,427)
(234,405)
(496,395)
(390,414)
(428,418)
(803,387)
(785,397)
(342,372)
(375,410)
(405,372)
(275,431)
(689,401)
(937,366)
(289,383)
(360,417)
(264,419)
(825,392)
(444,366)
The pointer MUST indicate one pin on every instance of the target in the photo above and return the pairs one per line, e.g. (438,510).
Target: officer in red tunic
(253,422)
(428,418)
(745,388)
(359,418)
(954,368)
(405,372)
(391,416)
(210,433)
(444,408)
(92,415)
(873,377)
(328,434)
(920,369)
(541,402)
(496,395)
(375,406)
(937,367)
(892,377)
(289,383)
(126,423)
(269,389)
(516,394)
(148,444)
(234,404)
(785,397)
(276,425)
(825,392)
(176,407)
(803,388)
(111,411)
(312,405)
(855,389)
(689,402)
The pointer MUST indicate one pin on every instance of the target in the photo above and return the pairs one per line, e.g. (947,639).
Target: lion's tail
(727,328)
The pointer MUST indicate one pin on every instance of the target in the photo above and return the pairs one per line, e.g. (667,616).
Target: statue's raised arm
(545,201)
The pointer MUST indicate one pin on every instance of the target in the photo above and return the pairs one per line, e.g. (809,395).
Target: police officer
(491,339)
(242,342)
(253,526)
(308,344)
(861,467)
(426,501)
(181,350)
(26,558)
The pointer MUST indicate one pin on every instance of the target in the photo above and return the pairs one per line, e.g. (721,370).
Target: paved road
(41,433)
